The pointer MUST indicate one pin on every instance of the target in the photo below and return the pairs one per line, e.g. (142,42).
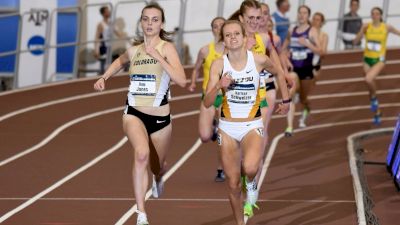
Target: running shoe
(248,209)
(252,192)
(304,115)
(158,187)
(289,132)
(374,104)
(377,118)
(220,176)
(141,218)
(302,123)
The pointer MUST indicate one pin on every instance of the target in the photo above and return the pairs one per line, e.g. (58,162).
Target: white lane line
(358,79)
(96,160)
(79,97)
(71,123)
(275,141)
(349,65)
(350,94)
(58,101)
(341,109)
(62,181)
(132,210)
(180,200)
(57,132)
(358,191)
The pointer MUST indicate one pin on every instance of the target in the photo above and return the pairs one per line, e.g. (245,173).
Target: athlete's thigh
(230,154)
(161,141)
(375,70)
(252,146)
(136,133)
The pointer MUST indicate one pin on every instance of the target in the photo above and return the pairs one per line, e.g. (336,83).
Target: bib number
(242,94)
(143,84)
(299,55)
(374,46)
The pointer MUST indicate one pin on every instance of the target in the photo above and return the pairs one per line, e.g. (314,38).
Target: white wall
(199,14)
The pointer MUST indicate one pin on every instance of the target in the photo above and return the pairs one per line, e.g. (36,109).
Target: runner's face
(216,27)
(233,36)
(265,16)
(251,19)
(376,15)
(302,15)
(354,6)
(151,22)
(317,21)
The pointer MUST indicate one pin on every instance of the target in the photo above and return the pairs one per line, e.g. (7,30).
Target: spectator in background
(351,25)
(281,20)
(103,35)
(186,58)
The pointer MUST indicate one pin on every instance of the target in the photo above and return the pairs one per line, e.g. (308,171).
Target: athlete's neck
(376,23)
(303,26)
(153,40)
(236,56)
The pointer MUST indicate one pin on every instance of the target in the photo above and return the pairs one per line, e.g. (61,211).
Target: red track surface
(308,179)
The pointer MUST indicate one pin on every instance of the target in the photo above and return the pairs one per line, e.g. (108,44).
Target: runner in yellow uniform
(375,34)
(207,54)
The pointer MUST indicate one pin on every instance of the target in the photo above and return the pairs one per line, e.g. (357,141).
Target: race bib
(299,55)
(143,84)
(374,46)
(242,94)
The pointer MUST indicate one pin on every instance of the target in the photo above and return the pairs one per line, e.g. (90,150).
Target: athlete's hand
(100,85)
(226,80)
(191,87)
(303,41)
(283,108)
(150,50)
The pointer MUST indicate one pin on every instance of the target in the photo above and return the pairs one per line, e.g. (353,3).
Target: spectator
(281,20)
(103,37)
(186,58)
(351,25)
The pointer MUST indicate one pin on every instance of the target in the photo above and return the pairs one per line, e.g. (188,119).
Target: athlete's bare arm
(264,62)
(170,63)
(360,33)
(393,30)
(215,83)
(116,66)
(197,66)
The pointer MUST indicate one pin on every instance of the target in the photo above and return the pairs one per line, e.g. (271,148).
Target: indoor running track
(64,159)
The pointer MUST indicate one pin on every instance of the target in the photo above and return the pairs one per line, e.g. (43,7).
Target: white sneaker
(252,192)
(157,188)
(141,218)
(302,123)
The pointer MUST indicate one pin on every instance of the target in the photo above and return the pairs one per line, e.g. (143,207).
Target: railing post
(78,40)
(17,55)
(182,17)
(340,24)
(385,8)
(221,4)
